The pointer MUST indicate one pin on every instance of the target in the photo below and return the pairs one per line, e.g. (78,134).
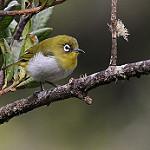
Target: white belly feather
(45,68)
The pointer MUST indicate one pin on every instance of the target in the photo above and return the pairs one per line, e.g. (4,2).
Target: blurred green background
(119,116)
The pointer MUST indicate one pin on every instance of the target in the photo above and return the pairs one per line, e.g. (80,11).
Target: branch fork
(78,91)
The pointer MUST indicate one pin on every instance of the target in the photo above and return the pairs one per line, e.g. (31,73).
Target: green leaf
(46,3)
(13,26)
(16,49)
(6,20)
(4,23)
(43,33)
(29,41)
(27,29)
(7,59)
(41,19)
(19,72)
(6,51)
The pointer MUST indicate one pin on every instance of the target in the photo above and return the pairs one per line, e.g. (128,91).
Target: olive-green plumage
(52,59)
(55,47)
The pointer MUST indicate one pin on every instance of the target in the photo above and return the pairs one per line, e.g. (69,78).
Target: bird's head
(65,45)
(66,49)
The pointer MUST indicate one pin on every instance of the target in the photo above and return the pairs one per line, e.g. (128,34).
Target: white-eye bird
(52,59)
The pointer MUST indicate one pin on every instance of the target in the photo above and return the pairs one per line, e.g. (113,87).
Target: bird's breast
(68,61)
(46,68)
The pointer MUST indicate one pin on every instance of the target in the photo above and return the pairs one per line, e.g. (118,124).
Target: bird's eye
(67,48)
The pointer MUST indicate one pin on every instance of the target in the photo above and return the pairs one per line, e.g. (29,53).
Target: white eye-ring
(67,48)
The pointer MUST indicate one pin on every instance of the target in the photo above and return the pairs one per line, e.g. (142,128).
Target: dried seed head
(122,30)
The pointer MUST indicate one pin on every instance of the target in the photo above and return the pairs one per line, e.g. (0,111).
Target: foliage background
(119,117)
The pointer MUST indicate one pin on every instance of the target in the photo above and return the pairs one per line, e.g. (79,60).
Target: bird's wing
(42,47)
(29,53)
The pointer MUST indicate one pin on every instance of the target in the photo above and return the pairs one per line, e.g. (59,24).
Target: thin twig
(28,11)
(75,88)
(20,27)
(21,12)
(113,59)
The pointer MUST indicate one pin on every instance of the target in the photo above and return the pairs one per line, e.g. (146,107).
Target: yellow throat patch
(68,61)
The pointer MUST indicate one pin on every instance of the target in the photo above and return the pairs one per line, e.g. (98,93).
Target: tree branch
(113,59)
(20,27)
(28,11)
(75,88)
(21,12)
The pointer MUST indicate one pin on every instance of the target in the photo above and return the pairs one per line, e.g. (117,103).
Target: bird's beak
(79,50)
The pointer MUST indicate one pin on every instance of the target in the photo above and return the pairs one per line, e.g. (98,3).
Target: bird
(51,60)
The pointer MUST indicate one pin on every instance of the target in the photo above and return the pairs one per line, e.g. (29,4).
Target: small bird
(51,60)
